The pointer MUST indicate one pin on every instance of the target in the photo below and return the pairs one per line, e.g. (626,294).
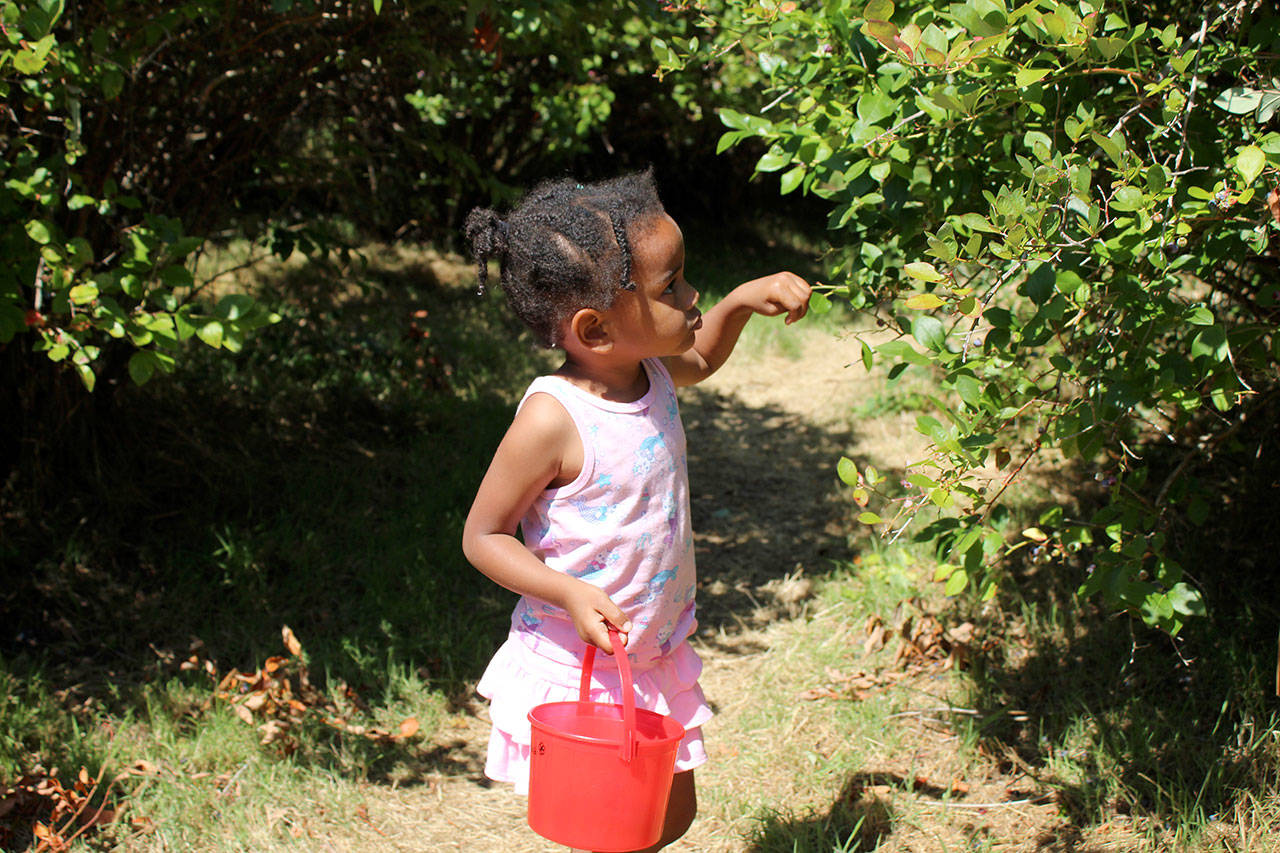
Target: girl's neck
(618,383)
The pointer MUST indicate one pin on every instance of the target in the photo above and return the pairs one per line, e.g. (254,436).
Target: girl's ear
(588,329)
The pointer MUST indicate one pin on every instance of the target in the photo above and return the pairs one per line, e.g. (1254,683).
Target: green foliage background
(143,132)
(1062,209)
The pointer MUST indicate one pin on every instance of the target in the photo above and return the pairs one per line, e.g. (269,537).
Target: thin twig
(1186,120)
(896,127)
(949,805)
(97,814)
(234,776)
(778,100)
(1004,279)
(39,283)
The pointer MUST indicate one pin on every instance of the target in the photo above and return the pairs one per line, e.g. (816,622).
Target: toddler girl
(592,470)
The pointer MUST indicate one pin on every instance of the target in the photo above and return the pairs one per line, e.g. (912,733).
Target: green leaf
(773,160)
(183,326)
(869,518)
(83,293)
(87,376)
(1068,282)
(663,53)
(1267,107)
(734,120)
(1250,162)
(1200,316)
(1127,198)
(1186,600)
(1239,100)
(791,179)
(903,350)
(1210,341)
(924,271)
(731,138)
(234,306)
(176,275)
(211,333)
(878,10)
(923,301)
(978,222)
(957,582)
(112,83)
(142,365)
(1039,284)
(969,389)
(921,481)
(1109,46)
(28,62)
(1113,145)
(233,340)
(1027,76)
(847,471)
(40,231)
(819,304)
(928,330)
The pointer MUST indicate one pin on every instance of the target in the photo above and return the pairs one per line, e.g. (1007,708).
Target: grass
(319,480)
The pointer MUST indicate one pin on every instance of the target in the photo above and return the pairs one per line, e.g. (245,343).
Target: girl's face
(658,318)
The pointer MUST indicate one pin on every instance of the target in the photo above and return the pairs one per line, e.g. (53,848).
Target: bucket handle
(628,690)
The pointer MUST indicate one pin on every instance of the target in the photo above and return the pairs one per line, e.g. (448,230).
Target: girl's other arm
(780,293)
(538,451)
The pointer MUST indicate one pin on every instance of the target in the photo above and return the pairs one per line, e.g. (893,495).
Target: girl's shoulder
(542,414)
(544,434)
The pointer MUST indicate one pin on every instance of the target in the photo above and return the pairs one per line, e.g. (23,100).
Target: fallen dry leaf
(290,641)
(40,806)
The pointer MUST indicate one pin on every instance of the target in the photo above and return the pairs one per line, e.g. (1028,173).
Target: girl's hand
(780,293)
(592,612)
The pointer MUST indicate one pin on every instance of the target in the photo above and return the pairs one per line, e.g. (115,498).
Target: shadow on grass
(858,820)
(320,480)
(766,504)
(1124,720)
(317,480)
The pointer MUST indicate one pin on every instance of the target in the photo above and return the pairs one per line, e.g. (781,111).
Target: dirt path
(764,437)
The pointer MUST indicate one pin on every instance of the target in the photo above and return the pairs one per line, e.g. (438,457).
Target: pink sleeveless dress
(622,525)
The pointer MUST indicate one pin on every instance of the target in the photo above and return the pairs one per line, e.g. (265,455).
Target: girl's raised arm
(541,448)
(780,293)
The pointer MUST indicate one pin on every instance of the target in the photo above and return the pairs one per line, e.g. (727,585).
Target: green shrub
(1062,209)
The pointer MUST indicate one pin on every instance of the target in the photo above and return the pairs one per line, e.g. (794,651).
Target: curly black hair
(564,247)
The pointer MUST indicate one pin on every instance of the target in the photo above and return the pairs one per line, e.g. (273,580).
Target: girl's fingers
(799,302)
(623,626)
(605,642)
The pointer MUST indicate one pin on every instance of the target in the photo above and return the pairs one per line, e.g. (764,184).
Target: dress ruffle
(519,679)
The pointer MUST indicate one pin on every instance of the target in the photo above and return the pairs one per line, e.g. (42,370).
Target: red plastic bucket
(600,775)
